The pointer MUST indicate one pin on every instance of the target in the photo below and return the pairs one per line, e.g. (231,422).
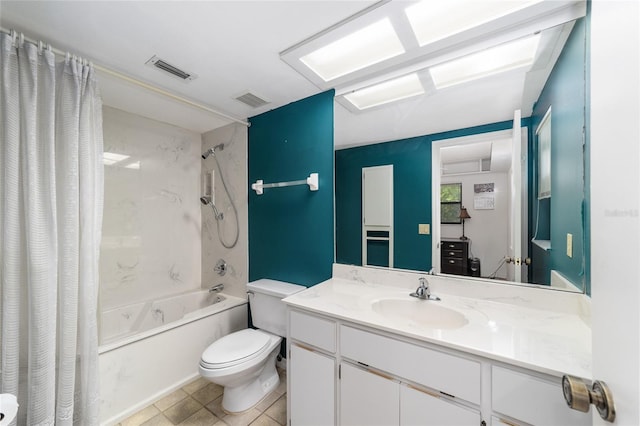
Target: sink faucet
(423,292)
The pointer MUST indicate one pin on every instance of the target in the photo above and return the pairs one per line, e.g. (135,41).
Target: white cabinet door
(418,408)
(312,387)
(367,399)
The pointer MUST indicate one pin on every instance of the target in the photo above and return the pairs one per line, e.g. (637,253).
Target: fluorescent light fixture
(435,20)
(389,91)
(360,49)
(109,158)
(502,58)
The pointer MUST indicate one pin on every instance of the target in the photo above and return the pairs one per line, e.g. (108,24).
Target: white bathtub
(152,348)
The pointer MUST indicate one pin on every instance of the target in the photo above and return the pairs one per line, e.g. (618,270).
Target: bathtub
(150,349)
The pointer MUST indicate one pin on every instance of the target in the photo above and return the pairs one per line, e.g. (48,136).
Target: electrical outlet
(569,245)
(424,229)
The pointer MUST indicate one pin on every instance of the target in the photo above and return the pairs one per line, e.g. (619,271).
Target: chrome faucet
(423,292)
(216,288)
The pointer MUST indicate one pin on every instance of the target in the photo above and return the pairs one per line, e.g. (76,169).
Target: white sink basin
(424,313)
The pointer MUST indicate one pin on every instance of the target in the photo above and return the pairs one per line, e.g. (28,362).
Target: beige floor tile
(282,387)
(202,418)
(196,385)
(268,400)
(141,416)
(215,407)
(280,390)
(243,419)
(183,410)
(171,399)
(159,420)
(264,420)
(278,411)
(208,393)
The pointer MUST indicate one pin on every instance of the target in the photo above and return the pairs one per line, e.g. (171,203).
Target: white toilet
(244,362)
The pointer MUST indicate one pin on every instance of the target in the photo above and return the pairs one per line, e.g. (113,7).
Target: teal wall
(411,159)
(291,228)
(565,93)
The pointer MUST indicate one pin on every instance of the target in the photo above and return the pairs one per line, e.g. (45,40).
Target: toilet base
(241,398)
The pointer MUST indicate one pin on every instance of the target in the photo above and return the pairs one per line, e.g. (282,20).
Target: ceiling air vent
(172,70)
(252,100)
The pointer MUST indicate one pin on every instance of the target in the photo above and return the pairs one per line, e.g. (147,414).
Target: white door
(514,271)
(615,202)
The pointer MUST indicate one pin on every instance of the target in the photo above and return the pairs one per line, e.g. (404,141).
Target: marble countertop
(510,329)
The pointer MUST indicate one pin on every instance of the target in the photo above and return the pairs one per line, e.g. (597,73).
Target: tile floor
(199,404)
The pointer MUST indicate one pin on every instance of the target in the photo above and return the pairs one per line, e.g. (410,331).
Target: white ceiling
(234,47)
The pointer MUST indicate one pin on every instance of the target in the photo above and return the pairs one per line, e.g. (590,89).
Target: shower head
(213,150)
(206,154)
(207,201)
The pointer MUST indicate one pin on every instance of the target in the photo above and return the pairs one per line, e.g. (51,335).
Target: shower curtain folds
(51,198)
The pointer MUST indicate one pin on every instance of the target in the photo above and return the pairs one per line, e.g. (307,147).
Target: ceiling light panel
(436,20)
(502,58)
(389,91)
(332,58)
(360,49)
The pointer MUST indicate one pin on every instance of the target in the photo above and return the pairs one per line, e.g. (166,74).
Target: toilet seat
(235,348)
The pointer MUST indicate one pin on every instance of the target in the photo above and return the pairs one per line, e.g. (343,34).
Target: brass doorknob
(579,397)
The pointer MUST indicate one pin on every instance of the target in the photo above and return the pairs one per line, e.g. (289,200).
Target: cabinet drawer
(450,374)
(453,245)
(455,254)
(316,331)
(452,262)
(532,399)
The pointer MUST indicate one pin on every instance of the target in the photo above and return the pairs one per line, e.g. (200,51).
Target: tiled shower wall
(233,161)
(152,215)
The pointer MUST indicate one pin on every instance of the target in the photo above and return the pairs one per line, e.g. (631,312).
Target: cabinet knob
(579,397)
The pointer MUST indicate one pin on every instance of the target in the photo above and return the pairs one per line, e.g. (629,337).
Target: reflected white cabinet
(377,216)
(367,398)
(311,387)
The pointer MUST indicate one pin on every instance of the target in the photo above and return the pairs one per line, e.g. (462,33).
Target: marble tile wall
(152,215)
(233,162)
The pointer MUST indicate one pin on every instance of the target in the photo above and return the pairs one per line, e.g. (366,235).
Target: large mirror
(485,180)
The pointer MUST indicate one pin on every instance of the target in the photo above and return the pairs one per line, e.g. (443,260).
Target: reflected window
(450,202)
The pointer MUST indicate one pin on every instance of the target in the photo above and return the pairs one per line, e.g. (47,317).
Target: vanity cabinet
(348,374)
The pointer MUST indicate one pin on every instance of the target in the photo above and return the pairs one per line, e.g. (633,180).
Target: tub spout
(216,288)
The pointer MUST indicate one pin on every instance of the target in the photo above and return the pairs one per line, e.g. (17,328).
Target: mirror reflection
(494,200)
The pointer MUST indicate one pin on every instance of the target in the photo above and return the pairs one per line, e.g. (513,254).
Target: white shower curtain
(51,198)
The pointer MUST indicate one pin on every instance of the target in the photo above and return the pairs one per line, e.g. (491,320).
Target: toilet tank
(268,312)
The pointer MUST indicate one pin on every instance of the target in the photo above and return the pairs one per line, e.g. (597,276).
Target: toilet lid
(234,348)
